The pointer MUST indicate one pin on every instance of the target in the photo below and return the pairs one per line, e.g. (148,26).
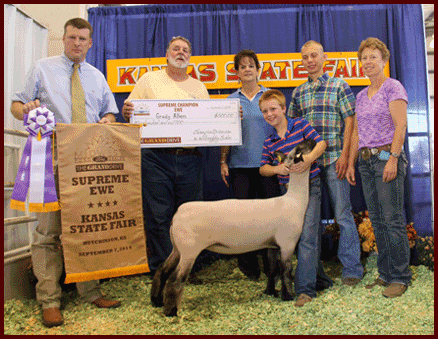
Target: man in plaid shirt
(328,104)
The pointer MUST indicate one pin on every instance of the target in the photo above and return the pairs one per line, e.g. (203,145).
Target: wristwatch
(395,155)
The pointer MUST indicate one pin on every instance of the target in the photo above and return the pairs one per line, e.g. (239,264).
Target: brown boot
(394,290)
(302,300)
(105,303)
(52,317)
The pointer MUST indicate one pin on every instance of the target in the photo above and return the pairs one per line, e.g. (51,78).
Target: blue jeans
(309,245)
(385,207)
(349,243)
(168,180)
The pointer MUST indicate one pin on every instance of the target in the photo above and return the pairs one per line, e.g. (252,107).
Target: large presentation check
(188,123)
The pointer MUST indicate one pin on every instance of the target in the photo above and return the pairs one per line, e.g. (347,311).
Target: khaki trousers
(48,261)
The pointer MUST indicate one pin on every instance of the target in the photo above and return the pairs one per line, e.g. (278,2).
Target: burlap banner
(101,203)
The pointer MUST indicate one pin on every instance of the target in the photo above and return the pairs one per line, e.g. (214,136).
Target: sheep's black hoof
(287,297)
(171,313)
(272,293)
(157,301)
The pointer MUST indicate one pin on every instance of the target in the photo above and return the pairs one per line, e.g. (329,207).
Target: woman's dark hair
(245,53)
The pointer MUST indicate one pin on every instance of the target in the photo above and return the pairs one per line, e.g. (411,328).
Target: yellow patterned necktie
(78,114)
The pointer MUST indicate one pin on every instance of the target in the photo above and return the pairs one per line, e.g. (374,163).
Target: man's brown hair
(79,24)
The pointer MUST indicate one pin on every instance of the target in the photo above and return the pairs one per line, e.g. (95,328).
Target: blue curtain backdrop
(144,31)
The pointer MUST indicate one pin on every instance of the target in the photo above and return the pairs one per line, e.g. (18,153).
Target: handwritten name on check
(188,123)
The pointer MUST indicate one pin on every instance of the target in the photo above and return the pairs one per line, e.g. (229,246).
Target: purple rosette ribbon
(35,173)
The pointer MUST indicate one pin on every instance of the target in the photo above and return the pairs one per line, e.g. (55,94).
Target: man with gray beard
(170,176)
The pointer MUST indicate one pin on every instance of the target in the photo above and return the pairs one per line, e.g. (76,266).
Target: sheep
(235,226)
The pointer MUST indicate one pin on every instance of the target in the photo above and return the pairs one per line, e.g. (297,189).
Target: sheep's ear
(280,156)
(310,145)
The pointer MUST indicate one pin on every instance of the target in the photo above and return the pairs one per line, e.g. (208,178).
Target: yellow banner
(217,71)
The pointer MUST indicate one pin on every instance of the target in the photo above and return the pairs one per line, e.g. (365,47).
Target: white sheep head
(297,152)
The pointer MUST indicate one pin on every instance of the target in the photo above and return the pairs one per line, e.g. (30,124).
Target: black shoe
(323,282)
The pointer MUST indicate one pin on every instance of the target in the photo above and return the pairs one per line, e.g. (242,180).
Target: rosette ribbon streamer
(35,173)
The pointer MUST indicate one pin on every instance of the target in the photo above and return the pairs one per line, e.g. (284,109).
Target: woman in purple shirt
(378,136)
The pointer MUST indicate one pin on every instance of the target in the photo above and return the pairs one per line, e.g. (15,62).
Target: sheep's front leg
(286,276)
(270,263)
(161,275)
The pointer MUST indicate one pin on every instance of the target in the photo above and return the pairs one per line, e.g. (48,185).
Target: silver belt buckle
(374,151)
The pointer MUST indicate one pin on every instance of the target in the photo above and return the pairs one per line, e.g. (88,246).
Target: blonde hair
(313,42)
(374,43)
(273,94)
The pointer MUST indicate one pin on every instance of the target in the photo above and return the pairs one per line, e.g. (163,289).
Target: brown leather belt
(179,151)
(366,152)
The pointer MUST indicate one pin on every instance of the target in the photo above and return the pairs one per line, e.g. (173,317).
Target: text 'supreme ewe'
(234,226)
